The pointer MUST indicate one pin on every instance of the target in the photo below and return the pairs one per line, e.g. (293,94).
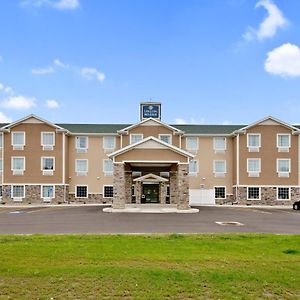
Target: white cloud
(6,89)
(226,122)
(92,73)
(43,71)
(284,61)
(52,103)
(269,25)
(58,63)
(191,121)
(18,102)
(180,121)
(58,4)
(4,118)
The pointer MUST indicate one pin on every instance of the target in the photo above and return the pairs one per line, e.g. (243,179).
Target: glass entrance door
(150,193)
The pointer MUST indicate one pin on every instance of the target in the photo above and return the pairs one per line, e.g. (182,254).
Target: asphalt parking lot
(91,219)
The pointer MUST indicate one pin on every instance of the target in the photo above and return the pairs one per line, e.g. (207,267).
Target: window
(220,143)
(283,167)
(18,165)
(192,143)
(1,141)
(220,192)
(18,140)
(135,137)
(253,193)
(109,142)
(18,192)
(108,167)
(47,192)
(283,142)
(81,143)
(1,166)
(253,167)
(253,142)
(81,167)
(167,138)
(108,191)
(193,167)
(81,191)
(48,140)
(48,165)
(1,191)
(219,168)
(283,193)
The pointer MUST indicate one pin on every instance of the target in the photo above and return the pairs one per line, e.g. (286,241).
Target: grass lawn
(231,266)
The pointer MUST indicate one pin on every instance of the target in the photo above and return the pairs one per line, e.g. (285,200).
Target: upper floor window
(18,165)
(219,168)
(1,141)
(48,165)
(81,143)
(48,140)
(253,142)
(109,142)
(18,140)
(220,143)
(167,138)
(191,143)
(81,167)
(283,142)
(283,167)
(108,167)
(253,167)
(135,137)
(193,167)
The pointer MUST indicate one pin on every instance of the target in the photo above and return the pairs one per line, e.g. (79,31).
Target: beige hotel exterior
(149,162)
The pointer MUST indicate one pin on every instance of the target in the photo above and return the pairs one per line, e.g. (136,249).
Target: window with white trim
(283,142)
(220,144)
(220,192)
(253,167)
(47,165)
(47,140)
(283,193)
(1,140)
(47,192)
(1,166)
(283,167)
(1,191)
(193,167)
(18,165)
(167,138)
(81,143)
(253,193)
(18,140)
(81,191)
(18,192)
(219,168)
(108,167)
(135,137)
(108,191)
(253,142)
(109,142)
(191,143)
(81,167)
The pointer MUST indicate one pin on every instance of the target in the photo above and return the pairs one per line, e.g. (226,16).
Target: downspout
(237,166)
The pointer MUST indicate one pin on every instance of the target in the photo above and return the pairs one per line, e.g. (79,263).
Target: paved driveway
(91,219)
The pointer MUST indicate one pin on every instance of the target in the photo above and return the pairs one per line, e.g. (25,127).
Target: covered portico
(151,171)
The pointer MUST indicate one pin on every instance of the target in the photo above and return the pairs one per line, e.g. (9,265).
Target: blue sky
(207,61)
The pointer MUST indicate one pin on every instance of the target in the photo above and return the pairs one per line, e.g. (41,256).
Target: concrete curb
(151,210)
(51,205)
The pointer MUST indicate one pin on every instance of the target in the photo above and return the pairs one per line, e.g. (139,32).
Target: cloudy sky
(207,61)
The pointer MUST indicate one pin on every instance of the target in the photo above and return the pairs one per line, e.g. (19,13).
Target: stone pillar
(119,186)
(183,186)
(138,192)
(162,193)
(128,185)
(173,187)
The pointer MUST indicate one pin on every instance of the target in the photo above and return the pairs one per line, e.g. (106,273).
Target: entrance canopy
(150,178)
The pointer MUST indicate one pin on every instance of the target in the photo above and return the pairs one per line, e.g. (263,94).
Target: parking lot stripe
(45,209)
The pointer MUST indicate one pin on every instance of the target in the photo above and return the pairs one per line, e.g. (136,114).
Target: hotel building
(149,162)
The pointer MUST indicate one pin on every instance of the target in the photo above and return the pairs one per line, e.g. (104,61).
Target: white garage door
(202,197)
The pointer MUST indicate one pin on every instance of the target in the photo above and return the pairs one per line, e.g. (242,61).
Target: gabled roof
(10,125)
(193,129)
(125,130)
(291,127)
(150,138)
(93,128)
(151,177)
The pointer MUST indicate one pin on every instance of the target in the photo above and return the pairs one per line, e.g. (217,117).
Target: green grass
(231,266)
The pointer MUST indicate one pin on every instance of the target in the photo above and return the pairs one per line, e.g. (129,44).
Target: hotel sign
(150,110)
